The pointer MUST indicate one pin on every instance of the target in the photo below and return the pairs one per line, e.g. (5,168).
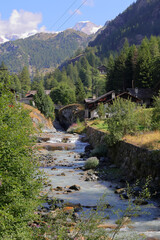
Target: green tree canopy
(44,103)
(63,94)
(80,93)
(25,80)
(20,180)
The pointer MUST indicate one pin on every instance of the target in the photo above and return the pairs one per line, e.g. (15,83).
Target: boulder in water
(75,187)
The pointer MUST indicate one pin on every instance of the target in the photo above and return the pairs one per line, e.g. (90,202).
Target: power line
(72,14)
(63,14)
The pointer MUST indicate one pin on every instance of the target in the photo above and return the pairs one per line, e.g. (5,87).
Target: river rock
(89,176)
(124,196)
(58,188)
(120,190)
(88,149)
(85,139)
(75,187)
(92,177)
(68,191)
(110,226)
(93,207)
(43,139)
(53,168)
(77,207)
(151,238)
(61,174)
(140,202)
(55,146)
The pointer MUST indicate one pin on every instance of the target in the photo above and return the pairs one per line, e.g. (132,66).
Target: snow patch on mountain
(87,27)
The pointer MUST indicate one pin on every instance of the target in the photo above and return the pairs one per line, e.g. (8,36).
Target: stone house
(145,94)
(28,99)
(91,105)
(102,69)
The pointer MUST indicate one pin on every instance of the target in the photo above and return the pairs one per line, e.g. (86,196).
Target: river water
(68,162)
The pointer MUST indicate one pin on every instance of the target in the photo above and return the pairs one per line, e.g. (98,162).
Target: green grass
(78,128)
(100,124)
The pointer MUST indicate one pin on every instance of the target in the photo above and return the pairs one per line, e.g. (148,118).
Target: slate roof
(33,92)
(99,98)
(107,98)
(143,93)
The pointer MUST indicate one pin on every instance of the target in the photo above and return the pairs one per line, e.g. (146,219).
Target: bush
(63,94)
(91,163)
(101,111)
(144,118)
(122,121)
(78,128)
(99,151)
(20,180)
(44,103)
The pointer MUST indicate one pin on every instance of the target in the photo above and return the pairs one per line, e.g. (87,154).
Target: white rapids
(91,192)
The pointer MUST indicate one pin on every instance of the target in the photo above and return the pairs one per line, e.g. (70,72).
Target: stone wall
(135,161)
(95,136)
(69,115)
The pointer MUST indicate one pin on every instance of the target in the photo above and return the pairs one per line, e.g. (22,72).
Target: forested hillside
(42,51)
(135,66)
(137,21)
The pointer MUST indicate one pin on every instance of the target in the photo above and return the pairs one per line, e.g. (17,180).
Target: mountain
(42,50)
(87,27)
(140,19)
(13,37)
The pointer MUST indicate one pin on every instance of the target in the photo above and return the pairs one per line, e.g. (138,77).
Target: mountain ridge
(140,19)
(42,50)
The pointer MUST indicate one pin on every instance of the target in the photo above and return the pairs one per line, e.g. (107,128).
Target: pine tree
(4,75)
(144,76)
(37,80)
(44,103)
(80,93)
(15,83)
(110,74)
(119,72)
(25,80)
(130,67)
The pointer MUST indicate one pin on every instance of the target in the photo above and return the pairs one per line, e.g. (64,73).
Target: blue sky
(17,16)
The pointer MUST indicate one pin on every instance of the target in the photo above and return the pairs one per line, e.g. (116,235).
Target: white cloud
(88,2)
(21,23)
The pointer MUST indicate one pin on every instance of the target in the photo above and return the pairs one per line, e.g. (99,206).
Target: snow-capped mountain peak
(87,27)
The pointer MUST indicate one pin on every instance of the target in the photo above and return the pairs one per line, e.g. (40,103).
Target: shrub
(144,118)
(122,121)
(99,151)
(20,180)
(91,163)
(78,128)
(101,111)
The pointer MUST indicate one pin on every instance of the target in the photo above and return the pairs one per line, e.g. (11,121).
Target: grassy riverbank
(144,139)
(149,140)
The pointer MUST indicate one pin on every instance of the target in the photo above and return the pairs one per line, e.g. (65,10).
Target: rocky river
(62,159)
